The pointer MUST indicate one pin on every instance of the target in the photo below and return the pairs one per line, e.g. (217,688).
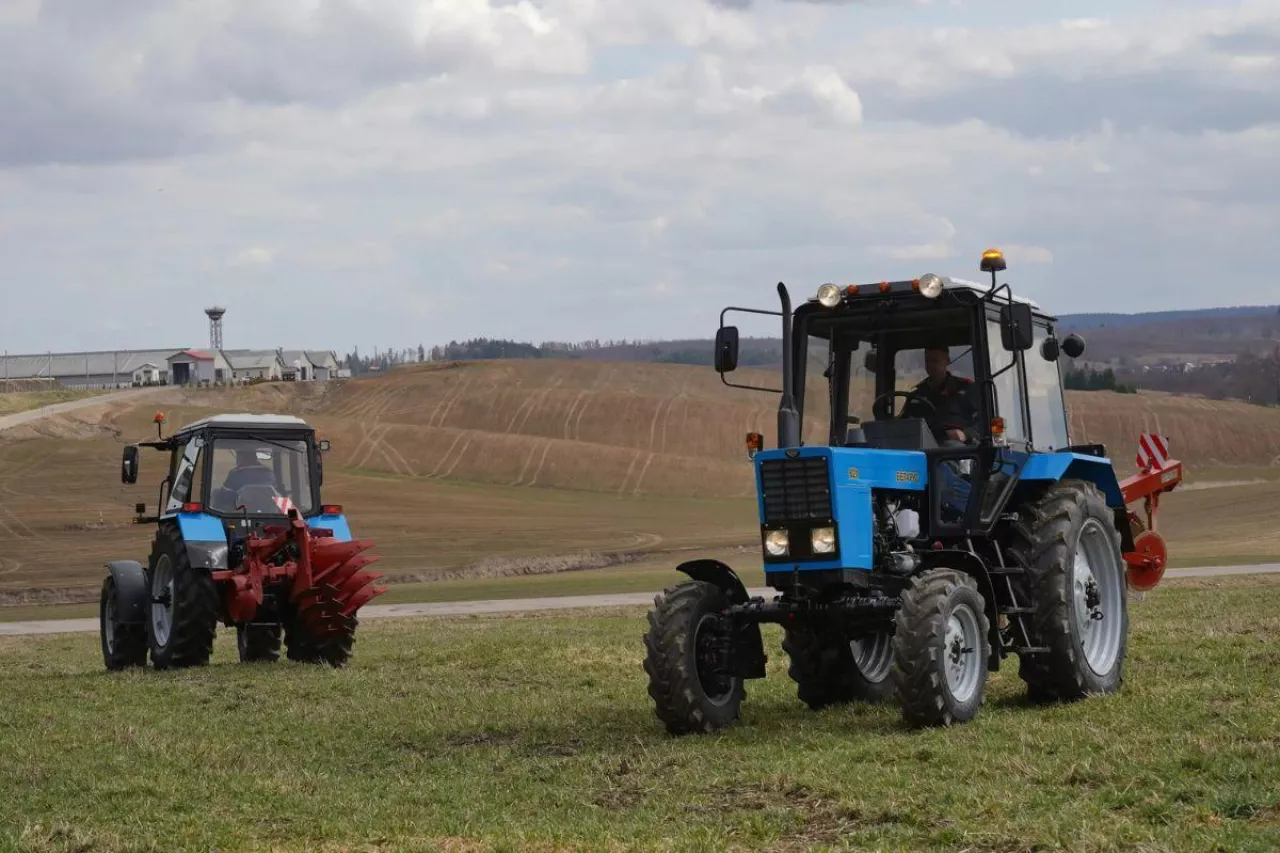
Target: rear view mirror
(323,445)
(727,349)
(129,465)
(1073,346)
(1016,332)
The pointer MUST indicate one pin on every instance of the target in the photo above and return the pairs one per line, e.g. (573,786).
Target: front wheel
(123,645)
(258,642)
(940,649)
(686,638)
(831,670)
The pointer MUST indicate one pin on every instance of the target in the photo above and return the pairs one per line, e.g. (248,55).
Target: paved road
(19,418)
(527,605)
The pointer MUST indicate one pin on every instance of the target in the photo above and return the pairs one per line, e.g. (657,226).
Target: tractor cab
(943,388)
(239,471)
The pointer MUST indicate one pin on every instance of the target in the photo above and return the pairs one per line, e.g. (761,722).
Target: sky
(384,173)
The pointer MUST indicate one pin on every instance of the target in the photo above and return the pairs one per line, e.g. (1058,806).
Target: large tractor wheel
(833,670)
(1075,580)
(940,649)
(258,642)
(183,612)
(682,643)
(123,645)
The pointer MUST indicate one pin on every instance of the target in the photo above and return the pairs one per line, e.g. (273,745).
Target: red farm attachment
(1157,474)
(320,582)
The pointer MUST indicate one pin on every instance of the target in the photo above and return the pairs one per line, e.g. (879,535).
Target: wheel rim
(873,656)
(1098,594)
(960,655)
(704,642)
(109,619)
(162,600)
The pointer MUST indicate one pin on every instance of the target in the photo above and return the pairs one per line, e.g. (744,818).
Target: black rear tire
(258,642)
(687,697)
(1073,514)
(185,637)
(940,604)
(826,672)
(123,645)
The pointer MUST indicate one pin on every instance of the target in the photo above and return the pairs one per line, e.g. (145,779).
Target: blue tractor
(911,548)
(242,538)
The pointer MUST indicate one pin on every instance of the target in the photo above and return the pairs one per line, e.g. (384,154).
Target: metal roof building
(100,369)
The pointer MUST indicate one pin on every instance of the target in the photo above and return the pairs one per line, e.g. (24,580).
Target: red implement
(1157,474)
(324,578)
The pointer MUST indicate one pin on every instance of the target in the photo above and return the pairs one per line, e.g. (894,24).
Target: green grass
(24,401)
(535,733)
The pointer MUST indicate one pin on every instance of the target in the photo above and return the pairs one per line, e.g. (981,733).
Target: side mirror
(1016,332)
(1049,349)
(755,443)
(129,465)
(1073,345)
(323,445)
(727,349)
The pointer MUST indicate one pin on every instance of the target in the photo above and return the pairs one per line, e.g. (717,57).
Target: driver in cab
(954,414)
(249,471)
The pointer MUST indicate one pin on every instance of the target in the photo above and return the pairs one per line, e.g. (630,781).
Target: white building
(249,364)
(197,367)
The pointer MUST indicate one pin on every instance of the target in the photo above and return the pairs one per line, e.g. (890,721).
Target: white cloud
(431,170)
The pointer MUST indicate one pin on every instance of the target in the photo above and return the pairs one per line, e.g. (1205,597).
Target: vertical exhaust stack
(788,417)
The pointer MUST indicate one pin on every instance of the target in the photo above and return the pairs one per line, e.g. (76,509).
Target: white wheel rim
(960,653)
(1097,588)
(873,656)
(109,621)
(162,611)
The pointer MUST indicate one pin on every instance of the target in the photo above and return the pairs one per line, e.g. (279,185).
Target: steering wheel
(913,395)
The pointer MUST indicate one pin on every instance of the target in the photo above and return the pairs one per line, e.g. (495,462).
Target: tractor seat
(894,434)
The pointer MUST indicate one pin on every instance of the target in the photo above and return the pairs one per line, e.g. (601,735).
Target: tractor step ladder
(1014,610)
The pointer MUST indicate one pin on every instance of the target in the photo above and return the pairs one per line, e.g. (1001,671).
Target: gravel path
(20,418)
(528,605)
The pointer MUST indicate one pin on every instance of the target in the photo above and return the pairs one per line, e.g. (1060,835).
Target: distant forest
(1218,353)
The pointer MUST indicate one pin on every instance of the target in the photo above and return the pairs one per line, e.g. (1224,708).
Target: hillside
(449,467)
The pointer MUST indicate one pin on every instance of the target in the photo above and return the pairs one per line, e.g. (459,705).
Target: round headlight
(829,295)
(930,285)
(823,540)
(777,543)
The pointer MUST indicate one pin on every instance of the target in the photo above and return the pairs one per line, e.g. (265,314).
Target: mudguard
(718,574)
(131,591)
(748,657)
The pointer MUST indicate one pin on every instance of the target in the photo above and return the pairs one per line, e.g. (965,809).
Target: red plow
(319,581)
(1157,473)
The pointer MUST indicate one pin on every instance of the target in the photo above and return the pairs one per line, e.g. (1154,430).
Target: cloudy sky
(389,172)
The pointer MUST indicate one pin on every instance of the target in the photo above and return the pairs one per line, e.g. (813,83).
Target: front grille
(795,489)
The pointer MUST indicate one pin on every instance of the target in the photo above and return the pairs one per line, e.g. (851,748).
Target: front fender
(131,591)
(748,657)
(717,574)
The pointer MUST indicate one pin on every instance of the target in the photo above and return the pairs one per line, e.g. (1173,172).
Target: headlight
(777,543)
(829,295)
(823,540)
(930,285)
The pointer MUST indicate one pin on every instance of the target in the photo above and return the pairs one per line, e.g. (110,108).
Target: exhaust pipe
(788,416)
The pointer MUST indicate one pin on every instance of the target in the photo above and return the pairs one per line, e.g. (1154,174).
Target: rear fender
(971,564)
(131,591)
(748,657)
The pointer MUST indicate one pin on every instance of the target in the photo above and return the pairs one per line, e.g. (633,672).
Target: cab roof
(246,421)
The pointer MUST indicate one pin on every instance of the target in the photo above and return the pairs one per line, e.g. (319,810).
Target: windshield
(262,477)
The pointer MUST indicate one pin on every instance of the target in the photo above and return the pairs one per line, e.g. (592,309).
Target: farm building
(196,367)
(309,365)
(177,366)
(255,364)
(104,369)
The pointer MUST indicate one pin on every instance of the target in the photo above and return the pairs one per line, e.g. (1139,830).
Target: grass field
(535,733)
(24,401)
